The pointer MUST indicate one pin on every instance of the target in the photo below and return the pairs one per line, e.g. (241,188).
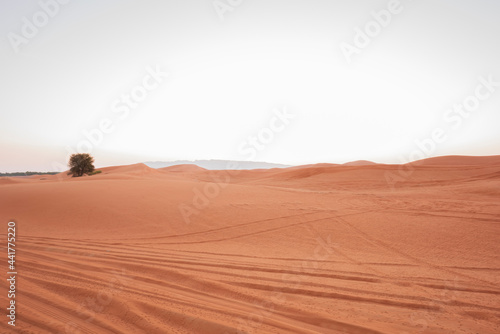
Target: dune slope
(316,249)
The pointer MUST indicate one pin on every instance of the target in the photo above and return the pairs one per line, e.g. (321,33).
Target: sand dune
(360,163)
(10,180)
(184,168)
(459,160)
(312,249)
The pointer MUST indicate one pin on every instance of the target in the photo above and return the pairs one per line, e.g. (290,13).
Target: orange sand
(316,249)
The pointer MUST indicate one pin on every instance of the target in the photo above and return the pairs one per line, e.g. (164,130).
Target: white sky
(227,76)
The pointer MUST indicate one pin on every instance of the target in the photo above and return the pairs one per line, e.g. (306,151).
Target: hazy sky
(284,81)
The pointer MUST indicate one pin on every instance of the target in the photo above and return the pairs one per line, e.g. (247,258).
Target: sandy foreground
(311,249)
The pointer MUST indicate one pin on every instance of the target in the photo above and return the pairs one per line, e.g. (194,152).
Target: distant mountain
(216,164)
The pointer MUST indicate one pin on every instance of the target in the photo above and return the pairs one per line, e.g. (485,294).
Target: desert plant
(80,163)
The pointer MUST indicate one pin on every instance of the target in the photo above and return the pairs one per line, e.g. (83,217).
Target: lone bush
(80,163)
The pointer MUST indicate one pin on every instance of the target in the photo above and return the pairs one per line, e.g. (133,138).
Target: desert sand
(312,249)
